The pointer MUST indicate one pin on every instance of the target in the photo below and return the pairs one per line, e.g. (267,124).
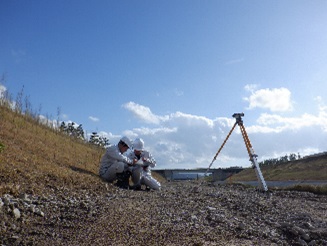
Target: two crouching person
(114,165)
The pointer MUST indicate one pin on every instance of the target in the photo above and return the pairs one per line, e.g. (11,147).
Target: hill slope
(34,157)
(311,168)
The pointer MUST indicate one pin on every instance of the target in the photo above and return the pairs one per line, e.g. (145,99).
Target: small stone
(39,212)
(285,224)
(299,230)
(312,243)
(32,208)
(241,226)
(211,208)
(302,242)
(293,232)
(305,236)
(6,201)
(193,217)
(196,189)
(308,225)
(16,213)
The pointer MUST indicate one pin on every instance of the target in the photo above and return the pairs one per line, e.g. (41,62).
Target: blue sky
(174,72)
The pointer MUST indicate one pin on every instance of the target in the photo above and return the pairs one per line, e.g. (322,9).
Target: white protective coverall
(113,162)
(141,173)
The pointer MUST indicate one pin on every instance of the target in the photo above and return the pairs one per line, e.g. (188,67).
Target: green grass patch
(2,147)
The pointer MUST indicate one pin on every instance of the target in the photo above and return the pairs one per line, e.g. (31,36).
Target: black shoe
(136,187)
(123,180)
(123,176)
(123,185)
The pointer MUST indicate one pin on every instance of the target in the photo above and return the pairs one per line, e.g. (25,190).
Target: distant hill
(308,168)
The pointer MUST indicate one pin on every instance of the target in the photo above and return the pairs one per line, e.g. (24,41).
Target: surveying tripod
(252,155)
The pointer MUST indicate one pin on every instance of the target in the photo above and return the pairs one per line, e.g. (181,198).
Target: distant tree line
(77,132)
(98,140)
(280,160)
(72,131)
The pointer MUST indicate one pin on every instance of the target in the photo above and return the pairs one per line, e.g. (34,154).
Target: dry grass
(35,158)
(314,168)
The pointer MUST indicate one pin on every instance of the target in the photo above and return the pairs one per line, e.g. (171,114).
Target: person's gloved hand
(134,162)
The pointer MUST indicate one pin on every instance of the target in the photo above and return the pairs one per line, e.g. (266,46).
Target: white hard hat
(127,141)
(138,144)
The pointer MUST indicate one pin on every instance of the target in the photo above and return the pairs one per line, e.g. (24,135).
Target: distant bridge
(219,174)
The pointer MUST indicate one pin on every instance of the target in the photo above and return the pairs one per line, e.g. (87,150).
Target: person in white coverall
(115,166)
(141,171)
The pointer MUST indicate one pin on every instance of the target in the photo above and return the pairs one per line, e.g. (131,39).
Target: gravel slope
(182,213)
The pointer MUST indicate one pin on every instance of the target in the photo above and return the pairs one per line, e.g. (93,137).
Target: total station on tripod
(238,117)
(252,155)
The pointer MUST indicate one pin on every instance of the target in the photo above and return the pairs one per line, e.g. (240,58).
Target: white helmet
(127,141)
(138,144)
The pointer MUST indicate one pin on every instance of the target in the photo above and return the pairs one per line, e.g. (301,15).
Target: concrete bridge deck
(219,174)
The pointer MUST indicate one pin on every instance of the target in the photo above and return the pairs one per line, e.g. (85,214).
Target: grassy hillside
(35,158)
(313,168)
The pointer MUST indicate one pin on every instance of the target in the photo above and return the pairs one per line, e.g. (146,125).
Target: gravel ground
(182,213)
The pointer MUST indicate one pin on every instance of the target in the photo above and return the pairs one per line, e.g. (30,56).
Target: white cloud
(144,113)
(95,119)
(151,131)
(182,140)
(322,113)
(279,123)
(276,100)
(46,121)
(191,120)
(108,135)
(251,87)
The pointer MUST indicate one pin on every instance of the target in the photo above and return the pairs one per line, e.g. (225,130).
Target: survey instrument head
(238,117)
